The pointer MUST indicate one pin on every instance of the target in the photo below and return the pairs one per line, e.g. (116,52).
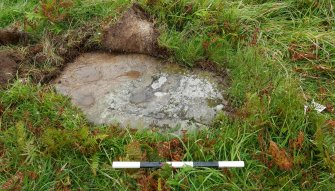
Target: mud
(132,33)
(140,91)
(12,37)
(8,68)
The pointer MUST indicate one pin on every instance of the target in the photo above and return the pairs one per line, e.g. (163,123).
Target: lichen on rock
(101,86)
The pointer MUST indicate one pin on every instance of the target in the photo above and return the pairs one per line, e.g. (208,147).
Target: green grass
(47,144)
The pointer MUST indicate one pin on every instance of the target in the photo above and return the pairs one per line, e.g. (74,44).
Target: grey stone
(137,97)
(139,91)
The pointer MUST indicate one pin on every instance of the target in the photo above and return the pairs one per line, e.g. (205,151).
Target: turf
(278,56)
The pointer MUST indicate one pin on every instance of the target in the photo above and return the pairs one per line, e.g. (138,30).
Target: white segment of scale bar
(126,164)
(223,164)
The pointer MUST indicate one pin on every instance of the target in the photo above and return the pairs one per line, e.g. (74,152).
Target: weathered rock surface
(8,68)
(132,33)
(140,91)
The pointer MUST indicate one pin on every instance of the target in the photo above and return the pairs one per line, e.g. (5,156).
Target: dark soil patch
(8,67)
(133,33)
(64,49)
(12,37)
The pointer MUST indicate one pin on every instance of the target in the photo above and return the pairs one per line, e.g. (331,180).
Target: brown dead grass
(171,150)
(280,157)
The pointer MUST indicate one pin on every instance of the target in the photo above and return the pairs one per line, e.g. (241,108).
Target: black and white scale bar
(218,164)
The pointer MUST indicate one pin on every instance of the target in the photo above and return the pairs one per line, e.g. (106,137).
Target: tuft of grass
(12,12)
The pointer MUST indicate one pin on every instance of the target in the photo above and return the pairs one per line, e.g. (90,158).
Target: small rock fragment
(157,84)
(219,107)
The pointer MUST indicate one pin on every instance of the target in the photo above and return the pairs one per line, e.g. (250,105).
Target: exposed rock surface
(8,68)
(132,33)
(140,91)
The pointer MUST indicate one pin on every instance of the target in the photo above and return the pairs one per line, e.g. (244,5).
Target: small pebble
(219,107)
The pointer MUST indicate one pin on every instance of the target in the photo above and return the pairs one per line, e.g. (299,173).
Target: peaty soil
(8,67)
(12,37)
(133,33)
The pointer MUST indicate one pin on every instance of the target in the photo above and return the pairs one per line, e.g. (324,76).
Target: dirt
(133,33)
(12,37)
(8,67)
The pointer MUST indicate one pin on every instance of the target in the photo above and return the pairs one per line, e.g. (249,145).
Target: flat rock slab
(140,91)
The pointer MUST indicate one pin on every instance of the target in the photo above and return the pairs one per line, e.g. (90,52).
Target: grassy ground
(280,55)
